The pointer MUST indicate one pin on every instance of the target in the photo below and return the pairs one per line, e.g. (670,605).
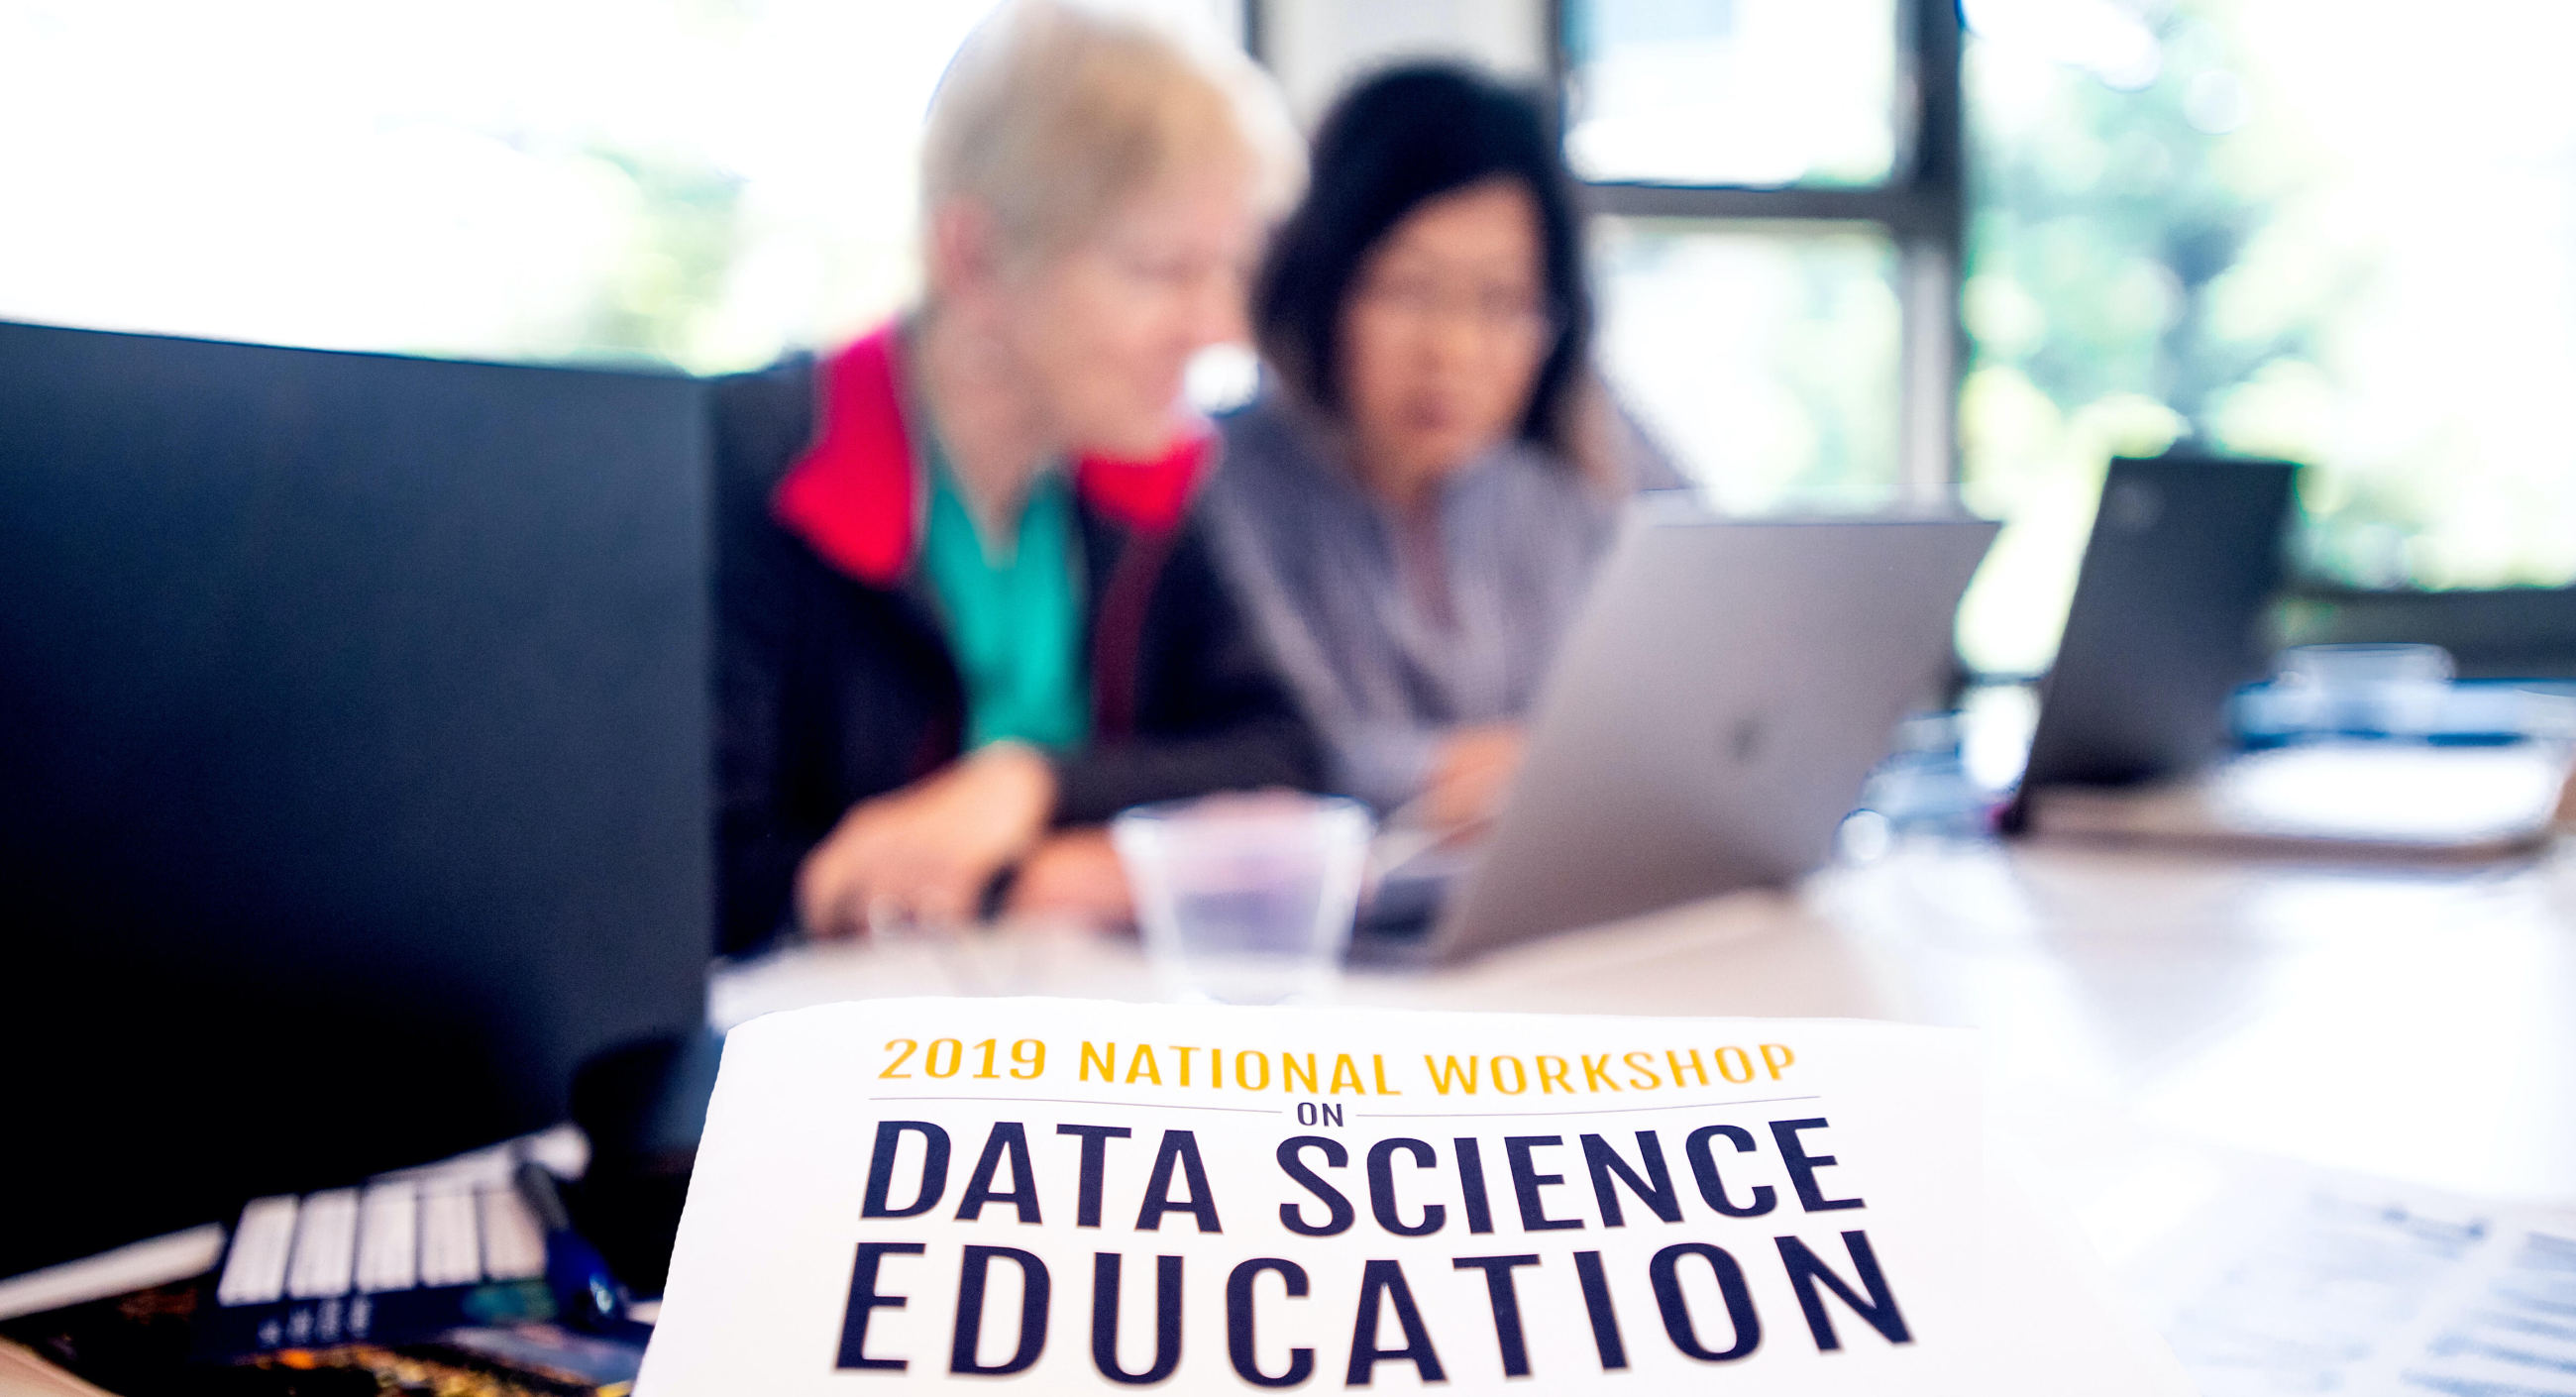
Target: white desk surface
(2414,1023)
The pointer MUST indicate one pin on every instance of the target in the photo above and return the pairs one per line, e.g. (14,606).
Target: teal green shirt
(1014,621)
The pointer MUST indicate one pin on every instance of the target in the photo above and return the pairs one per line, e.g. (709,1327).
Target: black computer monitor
(353,763)
(2168,619)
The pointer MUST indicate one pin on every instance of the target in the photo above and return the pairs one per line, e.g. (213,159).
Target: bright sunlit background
(1763,357)
(2339,232)
(1756,92)
(693,182)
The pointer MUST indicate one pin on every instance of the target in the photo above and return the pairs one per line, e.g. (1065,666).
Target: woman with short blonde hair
(1050,115)
(963,603)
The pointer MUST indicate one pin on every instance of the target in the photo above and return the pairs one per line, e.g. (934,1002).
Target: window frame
(1922,208)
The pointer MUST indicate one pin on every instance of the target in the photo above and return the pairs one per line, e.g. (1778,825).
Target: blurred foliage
(2101,222)
(2172,254)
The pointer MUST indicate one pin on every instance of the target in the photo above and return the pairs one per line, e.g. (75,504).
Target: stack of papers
(2297,1281)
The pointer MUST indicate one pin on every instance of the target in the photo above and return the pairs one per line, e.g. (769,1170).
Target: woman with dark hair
(1414,506)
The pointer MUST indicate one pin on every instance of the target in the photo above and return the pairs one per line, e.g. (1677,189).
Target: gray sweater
(1393,631)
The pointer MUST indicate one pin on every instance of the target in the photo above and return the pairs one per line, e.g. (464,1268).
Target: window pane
(1735,92)
(1764,361)
(2228,224)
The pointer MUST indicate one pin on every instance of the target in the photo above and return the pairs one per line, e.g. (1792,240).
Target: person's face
(1444,332)
(1106,328)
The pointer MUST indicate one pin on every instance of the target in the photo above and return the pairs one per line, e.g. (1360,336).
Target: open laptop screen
(2167,619)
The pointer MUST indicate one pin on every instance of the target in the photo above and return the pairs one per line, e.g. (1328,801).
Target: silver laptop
(1712,714)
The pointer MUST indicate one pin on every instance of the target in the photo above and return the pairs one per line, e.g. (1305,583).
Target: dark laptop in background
(2170,617)
(353,764)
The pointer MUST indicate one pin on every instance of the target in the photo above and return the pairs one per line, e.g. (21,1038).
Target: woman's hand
(1074,876)
(925,853)
(1470,775)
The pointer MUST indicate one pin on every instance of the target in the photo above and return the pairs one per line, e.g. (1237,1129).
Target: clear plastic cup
(1245,899)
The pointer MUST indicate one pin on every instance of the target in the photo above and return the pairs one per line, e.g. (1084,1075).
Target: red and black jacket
(834,679)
